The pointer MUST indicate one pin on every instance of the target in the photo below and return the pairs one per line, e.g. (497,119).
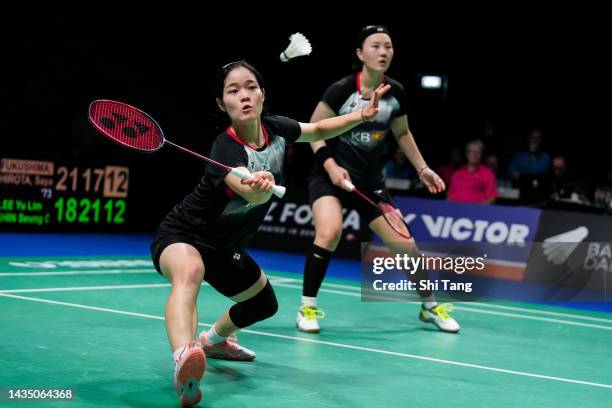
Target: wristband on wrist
(322,154)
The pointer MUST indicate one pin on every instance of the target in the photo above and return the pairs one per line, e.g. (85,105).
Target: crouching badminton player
(202,237)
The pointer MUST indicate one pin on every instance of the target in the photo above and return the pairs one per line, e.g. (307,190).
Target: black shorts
(230,271)
(320,185)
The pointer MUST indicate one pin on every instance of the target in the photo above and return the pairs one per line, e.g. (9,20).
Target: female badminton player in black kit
(202,237)
(357,156)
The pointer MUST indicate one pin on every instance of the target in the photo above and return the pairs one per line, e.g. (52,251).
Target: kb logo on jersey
(367,137)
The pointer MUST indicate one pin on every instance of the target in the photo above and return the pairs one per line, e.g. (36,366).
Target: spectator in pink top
(474,182)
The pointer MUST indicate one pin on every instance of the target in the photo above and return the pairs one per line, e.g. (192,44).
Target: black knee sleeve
(260,307)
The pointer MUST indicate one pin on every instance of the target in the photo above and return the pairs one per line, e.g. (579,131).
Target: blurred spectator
(559,167)
(398,166)
(492,162)
(534,161)
(474,182)
(455,159)
(564,186)
(559,178)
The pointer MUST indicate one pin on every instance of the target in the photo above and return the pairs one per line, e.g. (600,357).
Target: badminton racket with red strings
(132,128)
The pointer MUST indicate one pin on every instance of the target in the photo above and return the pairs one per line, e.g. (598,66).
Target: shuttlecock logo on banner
(298,47)
(558,248)
(572,257)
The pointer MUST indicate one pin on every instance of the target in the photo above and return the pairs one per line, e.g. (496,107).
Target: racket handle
(279,191)
(243,173)
(349,185)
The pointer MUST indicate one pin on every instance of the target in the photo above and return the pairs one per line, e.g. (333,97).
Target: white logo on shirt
(360,137)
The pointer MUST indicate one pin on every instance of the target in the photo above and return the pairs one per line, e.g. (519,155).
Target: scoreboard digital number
(45,194)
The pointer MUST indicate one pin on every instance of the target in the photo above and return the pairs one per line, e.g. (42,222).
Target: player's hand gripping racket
(132,128)
(392,215)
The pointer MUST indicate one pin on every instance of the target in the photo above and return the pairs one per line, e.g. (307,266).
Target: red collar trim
(231,132)
(384,81)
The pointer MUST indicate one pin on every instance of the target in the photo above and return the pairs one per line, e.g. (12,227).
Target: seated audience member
(473,182)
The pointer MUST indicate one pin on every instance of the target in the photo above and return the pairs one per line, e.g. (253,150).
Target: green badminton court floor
(98,330)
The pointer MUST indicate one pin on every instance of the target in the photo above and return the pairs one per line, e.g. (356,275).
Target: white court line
(337,292)
(538,318)
(537,311)
(328,343)
(280,283)
(84,288)
(104,272)
(275,279)
(483,304)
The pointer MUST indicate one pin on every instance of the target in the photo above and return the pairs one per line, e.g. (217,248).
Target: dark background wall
(507,71)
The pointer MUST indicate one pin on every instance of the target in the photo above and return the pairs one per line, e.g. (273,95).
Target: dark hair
(227,68)
(368,31)
(363,34)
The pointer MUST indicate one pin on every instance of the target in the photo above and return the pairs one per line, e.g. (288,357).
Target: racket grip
(349,185)
(279,191)
(243,173)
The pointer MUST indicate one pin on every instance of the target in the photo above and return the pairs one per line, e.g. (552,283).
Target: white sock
(213,337)
(177,353)
(430,305)
(309,301)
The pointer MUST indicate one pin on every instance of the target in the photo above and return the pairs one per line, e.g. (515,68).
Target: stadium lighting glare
(431,82)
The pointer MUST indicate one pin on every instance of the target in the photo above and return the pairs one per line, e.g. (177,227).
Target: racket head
(126,125)
(394,218)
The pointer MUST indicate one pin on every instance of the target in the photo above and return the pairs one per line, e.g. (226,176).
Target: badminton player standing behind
(202,237)
(357,156)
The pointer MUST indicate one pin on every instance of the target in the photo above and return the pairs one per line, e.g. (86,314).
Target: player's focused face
(242,96)
(376,52)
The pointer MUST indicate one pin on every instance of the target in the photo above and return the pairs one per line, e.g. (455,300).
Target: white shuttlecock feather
(298,46)
(558,248)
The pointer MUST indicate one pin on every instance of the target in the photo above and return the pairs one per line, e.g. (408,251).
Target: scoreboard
(49,195)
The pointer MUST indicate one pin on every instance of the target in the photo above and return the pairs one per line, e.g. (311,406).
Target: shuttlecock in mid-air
(298,46)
